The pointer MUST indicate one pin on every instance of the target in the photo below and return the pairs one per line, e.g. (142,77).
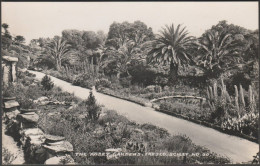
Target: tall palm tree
(170,47)
(58,48)
(217,52)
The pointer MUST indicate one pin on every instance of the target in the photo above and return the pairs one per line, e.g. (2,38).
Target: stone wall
(9,69)
(38,147)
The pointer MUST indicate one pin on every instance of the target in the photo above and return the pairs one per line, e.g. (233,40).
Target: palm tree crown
(58,48)
(217,50)
(171,46)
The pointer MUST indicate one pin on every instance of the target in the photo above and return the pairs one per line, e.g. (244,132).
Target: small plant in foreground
(47,83)
(92,107)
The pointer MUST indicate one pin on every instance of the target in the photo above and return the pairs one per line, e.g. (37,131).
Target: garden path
(237,149)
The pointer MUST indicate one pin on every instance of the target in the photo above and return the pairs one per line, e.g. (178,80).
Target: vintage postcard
(158,83)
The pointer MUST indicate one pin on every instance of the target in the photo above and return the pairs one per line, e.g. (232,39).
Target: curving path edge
(237,149)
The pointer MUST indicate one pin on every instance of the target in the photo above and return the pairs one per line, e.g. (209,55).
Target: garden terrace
(70,123)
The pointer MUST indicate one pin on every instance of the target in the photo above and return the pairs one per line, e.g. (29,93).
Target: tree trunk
(57,65)
(173,74)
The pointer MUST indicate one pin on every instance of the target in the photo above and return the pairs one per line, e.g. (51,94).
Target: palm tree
(102,56)
(124,56)
(217,52)
(58,48)
(170,46)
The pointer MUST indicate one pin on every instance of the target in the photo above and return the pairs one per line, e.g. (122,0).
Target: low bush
(47,83)
(84,80)
(158,89)
(150,89)
(160,80)
(24,95)
(103,83)
(191,110)
(125,82)
(57,94)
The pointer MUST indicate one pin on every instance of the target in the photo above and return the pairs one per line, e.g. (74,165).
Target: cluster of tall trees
(14,45)
(222,48)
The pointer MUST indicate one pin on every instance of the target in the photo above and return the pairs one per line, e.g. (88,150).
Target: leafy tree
(6,37)
(43,42)
(73,37)
(252,46)
(58,48)
(19,39)
(91,40)
(44,61)
(171,46)
(230,28)
(120,33)
(84,43)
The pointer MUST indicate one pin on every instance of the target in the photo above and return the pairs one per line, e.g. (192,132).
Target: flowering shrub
(248,124)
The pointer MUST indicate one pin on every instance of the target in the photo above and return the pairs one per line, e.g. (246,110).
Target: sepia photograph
(130,83)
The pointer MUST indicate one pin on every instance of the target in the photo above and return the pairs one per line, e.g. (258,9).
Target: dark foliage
(92,107)
(47,83)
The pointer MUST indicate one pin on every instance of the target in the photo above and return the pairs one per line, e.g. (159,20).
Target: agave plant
(170,47)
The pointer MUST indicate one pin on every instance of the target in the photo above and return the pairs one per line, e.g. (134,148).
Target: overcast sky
(46,19)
